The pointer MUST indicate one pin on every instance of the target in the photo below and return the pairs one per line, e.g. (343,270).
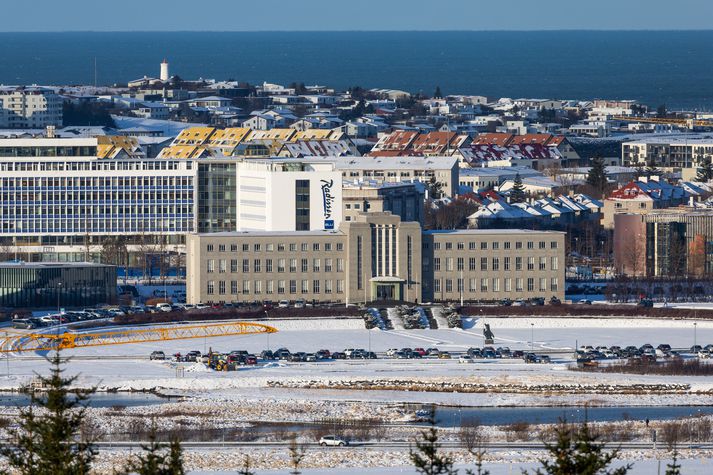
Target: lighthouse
(164,71)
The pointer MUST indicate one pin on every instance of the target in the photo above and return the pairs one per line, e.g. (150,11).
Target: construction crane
(60,341)
(690,123)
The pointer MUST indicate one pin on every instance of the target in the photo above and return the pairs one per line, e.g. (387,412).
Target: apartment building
(375,257)
(29,108)
(685,153)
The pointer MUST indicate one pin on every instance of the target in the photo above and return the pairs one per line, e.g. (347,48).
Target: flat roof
(387,163)
(314,233)
(481,232)
(49,265)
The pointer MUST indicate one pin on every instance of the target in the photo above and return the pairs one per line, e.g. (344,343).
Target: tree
(438,94)
(652,169)
(576,451)
(674,468)
(705,171)
(435,188)
(426,457)
(49,441)
(297,454)
(597,177)
(156,459)
(246,468)
(517,192)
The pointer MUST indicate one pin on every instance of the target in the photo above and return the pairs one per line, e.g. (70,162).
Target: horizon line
(484,30)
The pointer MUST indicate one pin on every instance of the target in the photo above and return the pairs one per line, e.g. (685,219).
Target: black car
(267,355)
(338,355)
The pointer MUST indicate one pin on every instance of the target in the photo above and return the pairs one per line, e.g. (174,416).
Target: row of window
(495,245)
(256,287)
(493,285)
(282,265)
(531,262)
(281,247)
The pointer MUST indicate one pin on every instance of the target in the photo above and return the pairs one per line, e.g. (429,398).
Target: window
(496,246)
(315,246)
(530,284)
(436,264)
(437,285)
(541,245)
(496,284)
(484,284)
(483,246)
(221,287)
(257,247)
(531,263)
(461,246)
(328,265)
(315,286)
(246,247)
(518,245)
(508,284)
(554,286)
(543,284)
(506,245)
(530,244)
(293,286)
(221,247)
(304,265)
(268,265)
(554,263)
(270,247)
(210,266)
(270,288)
(449,285)
(518,284)
(281,247)
(281,265)
(460,264)
(459,285)
(506,263)
(471,263)
(257,289)
(256,265)
(233,248)
(327,286)
(305,247)
(246,287)
(543,263)
(210,287)
(471,285)
(436,246)
(449,246)
(518,263)
(553,245)
(340,246)
(328,246)
(315,265)
(483,263)
(449,264)
(233,287)
(209,248)
(340,265)
(280,287)
(471,246)
(340,286)
(293,247)
(222,266)
(233,265)
(305,286)
(496,263)
(246,266)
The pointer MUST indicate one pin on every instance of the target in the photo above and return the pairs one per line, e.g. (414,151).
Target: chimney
(50,132)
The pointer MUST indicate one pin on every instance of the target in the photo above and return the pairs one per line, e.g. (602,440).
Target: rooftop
(235,234)
(48,265)
(486,232)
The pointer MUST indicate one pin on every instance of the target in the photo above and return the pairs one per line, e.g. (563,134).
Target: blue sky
(261,15)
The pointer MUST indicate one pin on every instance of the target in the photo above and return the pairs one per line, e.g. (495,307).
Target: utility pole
(532,337)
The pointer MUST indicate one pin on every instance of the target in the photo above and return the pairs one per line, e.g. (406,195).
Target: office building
(404,200)
(56,285)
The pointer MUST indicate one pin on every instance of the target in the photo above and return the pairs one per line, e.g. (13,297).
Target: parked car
(444,355)
(332,441)
(157,355)
(465,359)
(283,304)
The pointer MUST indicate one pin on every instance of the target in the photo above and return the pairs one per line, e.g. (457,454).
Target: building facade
(29,108)
(401,199)
(56,285)
(375,257)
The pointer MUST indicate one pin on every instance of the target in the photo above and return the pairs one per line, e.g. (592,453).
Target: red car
(420,351)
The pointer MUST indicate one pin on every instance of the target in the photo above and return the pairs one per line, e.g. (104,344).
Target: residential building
(29,108)
(683,153)
(640,197)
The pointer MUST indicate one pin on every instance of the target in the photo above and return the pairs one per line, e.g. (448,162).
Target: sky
(338,15)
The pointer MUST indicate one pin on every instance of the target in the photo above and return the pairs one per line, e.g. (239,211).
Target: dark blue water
(675,68)
(453,416)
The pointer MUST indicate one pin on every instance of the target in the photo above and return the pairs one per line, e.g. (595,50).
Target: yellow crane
(59,341)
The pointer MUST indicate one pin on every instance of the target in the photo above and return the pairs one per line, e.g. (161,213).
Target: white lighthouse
(164,71)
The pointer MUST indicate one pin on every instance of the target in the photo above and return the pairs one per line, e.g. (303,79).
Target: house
(640,197)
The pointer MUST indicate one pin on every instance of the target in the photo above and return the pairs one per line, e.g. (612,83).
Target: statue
(488,334)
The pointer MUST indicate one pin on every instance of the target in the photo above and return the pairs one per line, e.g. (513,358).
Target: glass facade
(217,201)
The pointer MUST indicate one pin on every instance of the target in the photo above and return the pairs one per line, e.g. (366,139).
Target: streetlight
(532,337)
(695,324)
(59,292)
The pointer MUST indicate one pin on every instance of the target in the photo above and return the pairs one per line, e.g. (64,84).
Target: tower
(164,71)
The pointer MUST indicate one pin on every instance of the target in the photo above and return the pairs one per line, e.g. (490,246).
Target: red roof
(493,139)
(530,139)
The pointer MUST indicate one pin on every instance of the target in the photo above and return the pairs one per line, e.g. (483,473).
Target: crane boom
(61,341)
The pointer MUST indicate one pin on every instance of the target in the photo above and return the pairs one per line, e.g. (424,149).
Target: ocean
(671,67)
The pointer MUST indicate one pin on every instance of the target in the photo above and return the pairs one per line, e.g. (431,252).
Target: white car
(299,303)
(332,441)
(704,354)
(164,307)
(465,359)
(392,351)
(283,304)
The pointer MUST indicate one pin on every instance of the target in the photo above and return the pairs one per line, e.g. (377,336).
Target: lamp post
(59,292)
(532,337)
(695,325)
